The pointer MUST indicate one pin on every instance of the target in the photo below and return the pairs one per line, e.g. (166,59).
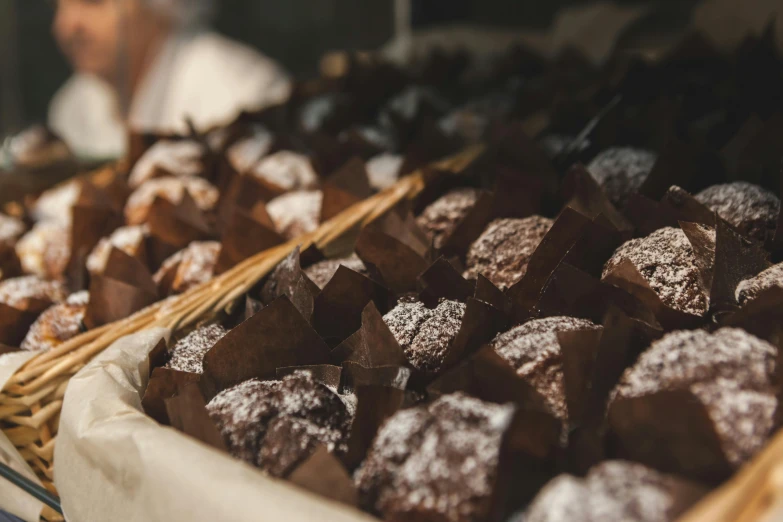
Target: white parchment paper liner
(115,463)
(13,499)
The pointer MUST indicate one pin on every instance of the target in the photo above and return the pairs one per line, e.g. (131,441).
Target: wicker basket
(31,401)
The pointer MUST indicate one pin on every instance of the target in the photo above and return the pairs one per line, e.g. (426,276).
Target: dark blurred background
(295,32)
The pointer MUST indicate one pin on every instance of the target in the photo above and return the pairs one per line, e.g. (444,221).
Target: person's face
(88,33)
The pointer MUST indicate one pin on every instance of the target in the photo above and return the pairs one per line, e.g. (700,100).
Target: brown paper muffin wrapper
(277,336)
(125,287)
(470,227)
(187,412)
(97,212)
(687,165)
(324,474)
(441,279)
(337,310)
(164,384)
(763,317)
(626,276)
(675,420)
(394,249)
(177,224)
(14,323)
(372,345)
(565,231)
(289,279)
(247,234)
(736,259)
(379,392)
(582,193)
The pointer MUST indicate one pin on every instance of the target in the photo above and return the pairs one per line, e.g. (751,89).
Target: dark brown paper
(323,474)
(244,237)
(670,431)
(736,259)
(442,280)
(372,345)
(164,384)
(188,413)
(553,248)
(275,337)
(289,279)
(337,310)
(124,288)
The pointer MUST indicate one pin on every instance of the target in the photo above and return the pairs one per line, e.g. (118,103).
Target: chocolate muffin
(129,239)
(731,372)
(296,213)
(171,188)
(287,170)
(35,147)
(57,324)
(191,266)
(168,158)
(425,334)
(504,249)
(383,170)
(276,425)
(614,490)
(435,462)
(322,272)
(441,217)
(750,208)
(187,354)
(28,292)
(533,351)
(44,250)
(749,289)
(666,261)
(247,151)
(620,171)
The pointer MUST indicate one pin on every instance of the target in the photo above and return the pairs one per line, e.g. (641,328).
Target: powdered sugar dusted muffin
(504,249)
(11,229)
(204,194)
(296,213)
(187,355)
(320,273)
(383,170)
(533,350)
(276,425)
(749,289)
(752,209)
(614,490)
(425,333)
(730,371)
(435,462)
(24,292)
(45,249)
(57,324)
(244,153)
(666,261)
(56,203)
(620,171)
(287,170)
(193,265)
(441,217)
(128,239)
(168,158)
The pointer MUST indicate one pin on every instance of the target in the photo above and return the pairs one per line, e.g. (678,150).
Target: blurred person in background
(150,65)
